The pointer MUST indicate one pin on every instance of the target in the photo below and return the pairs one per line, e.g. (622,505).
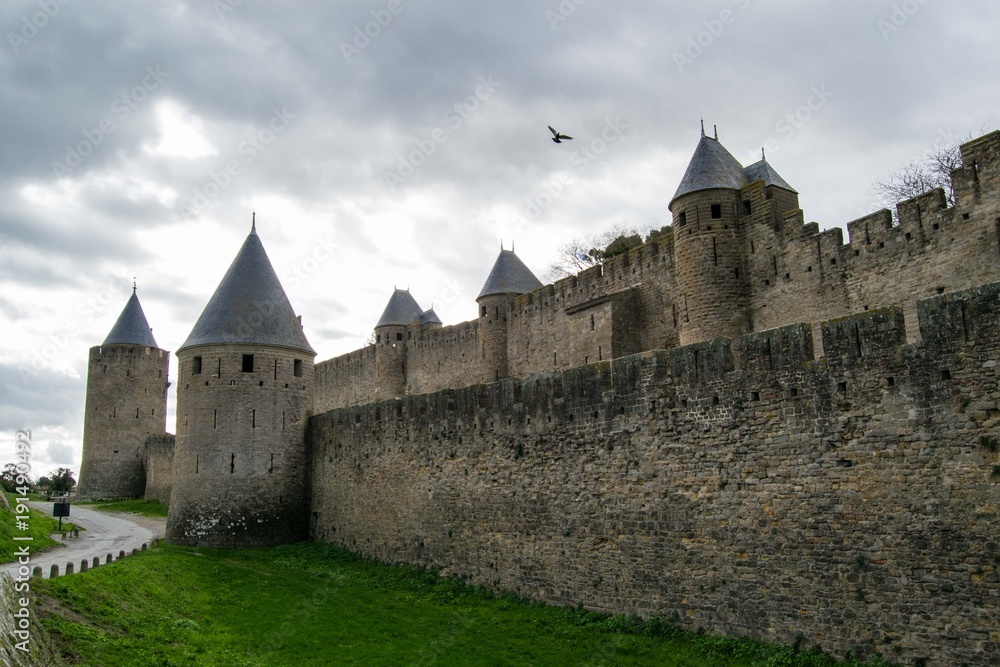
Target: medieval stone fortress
(746,424)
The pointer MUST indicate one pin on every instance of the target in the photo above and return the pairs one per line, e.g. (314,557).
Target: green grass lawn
(310,604)
(40,526)
(144,507)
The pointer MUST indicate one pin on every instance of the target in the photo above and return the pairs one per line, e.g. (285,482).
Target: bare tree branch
(932,170)
(583,253)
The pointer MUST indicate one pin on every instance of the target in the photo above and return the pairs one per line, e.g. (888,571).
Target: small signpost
(60,508)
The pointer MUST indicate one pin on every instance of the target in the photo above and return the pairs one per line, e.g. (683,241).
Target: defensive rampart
(854,499)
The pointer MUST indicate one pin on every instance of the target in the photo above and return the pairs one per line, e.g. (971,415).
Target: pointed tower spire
(401,309)
(249,306)
(131,328)
(509,276)
(711,167)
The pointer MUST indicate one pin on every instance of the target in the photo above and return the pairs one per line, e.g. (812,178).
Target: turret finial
(703,126)
(133,288)
(253,223)
(762,153)
(716,128)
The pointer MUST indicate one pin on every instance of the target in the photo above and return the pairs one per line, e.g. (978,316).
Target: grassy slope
(144,507)
(40,526)
(310,604)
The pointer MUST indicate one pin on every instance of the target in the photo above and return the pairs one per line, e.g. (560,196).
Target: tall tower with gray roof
(509,278)
(126,403)
(245,390)
(709,212)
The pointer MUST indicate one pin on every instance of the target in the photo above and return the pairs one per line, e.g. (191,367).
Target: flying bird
(556,137)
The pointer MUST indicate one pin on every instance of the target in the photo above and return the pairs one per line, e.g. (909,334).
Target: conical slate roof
(249,306)
(401,310)
(131,327)
(430,317)
(711,166)
(762,171)
(509,276)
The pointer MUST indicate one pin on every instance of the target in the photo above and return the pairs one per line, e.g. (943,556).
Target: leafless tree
(583,253)
(932,170)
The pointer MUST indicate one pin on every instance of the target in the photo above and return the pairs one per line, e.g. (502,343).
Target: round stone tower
(126,403)
(707,247)
(391,337)
(244,393)
(508,278)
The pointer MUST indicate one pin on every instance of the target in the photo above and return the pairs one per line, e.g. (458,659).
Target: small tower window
(682,219)
(196,366)
(399,336)
(297,370)
(484,311)
(716,211)
(248,363)
(746,207)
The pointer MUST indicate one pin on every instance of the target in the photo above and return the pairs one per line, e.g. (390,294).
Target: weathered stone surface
(848,498)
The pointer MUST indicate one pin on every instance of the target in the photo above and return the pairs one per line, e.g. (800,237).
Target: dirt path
(105,534)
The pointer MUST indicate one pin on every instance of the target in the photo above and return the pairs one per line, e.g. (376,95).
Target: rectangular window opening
(248,363)
(195,365)
(716,211)
(297,368)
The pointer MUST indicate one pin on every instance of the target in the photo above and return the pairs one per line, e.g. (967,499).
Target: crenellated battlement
(598,395)
(757,266)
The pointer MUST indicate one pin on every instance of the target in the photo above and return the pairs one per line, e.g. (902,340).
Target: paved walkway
(105,534)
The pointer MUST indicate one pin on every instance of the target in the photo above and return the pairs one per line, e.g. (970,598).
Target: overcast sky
(395,143)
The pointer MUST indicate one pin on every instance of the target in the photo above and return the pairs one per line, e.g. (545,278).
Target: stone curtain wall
(346,380)
(854,499)
(440,358)
(159,468)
